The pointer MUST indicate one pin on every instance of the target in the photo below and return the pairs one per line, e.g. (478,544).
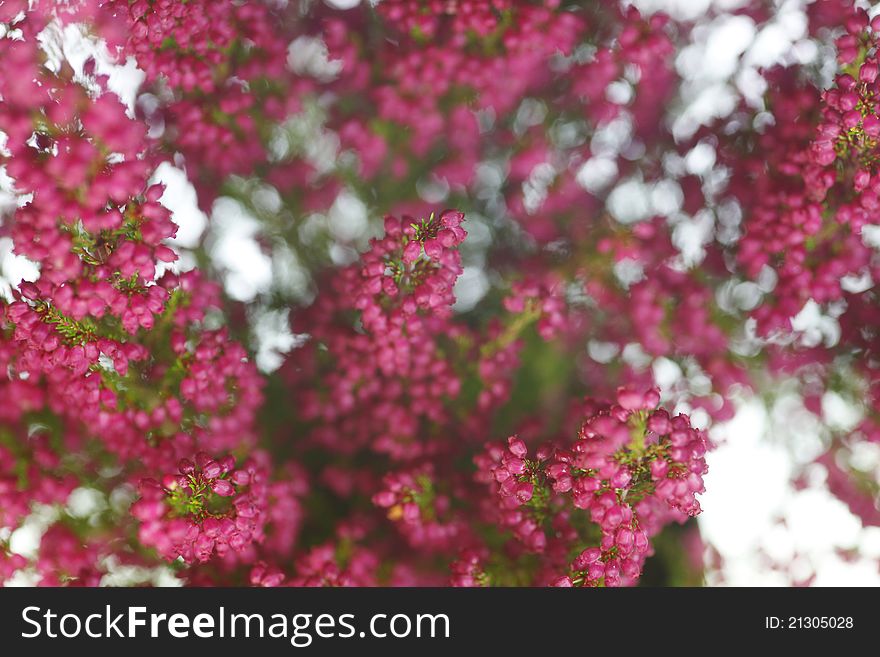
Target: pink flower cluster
(208,506)
(419,510)
(632,466)
(442,52)
(104,356)
(322,566)
(217,60)
(459,17)
(816,192)
(30,472)
(388,378)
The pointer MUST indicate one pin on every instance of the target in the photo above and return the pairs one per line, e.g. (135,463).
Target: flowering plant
(472,220)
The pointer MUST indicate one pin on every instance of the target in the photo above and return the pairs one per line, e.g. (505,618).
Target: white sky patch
(347,218)
(751,509)
(700,159)
(667,373)
(274,338)
(717,49)
(710,103)
(85,502)
(610,138)
(666,197)
(630,202)
(470,287)
(180,198)
(248,271)
(123,78)
(291,277)
(857,283)
(602,352)
(685,9)
(775,41)
(871,236)
(308,55)
(839,414)
(815,326)
(692,234)
(14,269)
(531,112)
(597,173)
(629,271)
(535,188)
(342,4)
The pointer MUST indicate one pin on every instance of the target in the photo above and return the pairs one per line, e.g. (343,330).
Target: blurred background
(757,527)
